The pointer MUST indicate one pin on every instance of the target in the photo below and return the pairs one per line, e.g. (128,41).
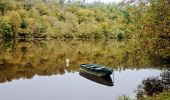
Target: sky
(105,1)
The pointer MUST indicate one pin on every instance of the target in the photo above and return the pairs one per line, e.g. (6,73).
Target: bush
(40,30)
(6,5)
(16,20)
(7,30)
(6,27)
(121,35)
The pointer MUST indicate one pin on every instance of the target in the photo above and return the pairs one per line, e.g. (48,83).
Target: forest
(78,19)
(134,34)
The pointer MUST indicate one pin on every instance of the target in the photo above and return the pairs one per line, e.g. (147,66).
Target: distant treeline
(60,19)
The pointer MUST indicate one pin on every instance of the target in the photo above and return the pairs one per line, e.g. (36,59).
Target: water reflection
(101,80)
(74,87)
(67,62)
(25,58)
(45,63)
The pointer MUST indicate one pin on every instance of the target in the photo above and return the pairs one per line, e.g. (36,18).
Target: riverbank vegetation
(162,96)
(129,19)
(155,88)
(38,18)
(57,19)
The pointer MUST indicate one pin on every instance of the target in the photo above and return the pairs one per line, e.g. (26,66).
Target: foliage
(151,19)
(154,86)
(24,24)
(6,5)
(81,20)
(158,18)
(124,97)
(121,35)
(36,18)
(6,27)
(162,96)
(15,19)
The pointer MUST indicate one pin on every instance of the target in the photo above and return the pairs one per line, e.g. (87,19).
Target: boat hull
(97,70)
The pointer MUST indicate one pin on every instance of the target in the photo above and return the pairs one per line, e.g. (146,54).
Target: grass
(162,96)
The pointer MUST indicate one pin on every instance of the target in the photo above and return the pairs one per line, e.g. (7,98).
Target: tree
(158,21)
(6,27)
(6,5)
(24,24)
(84,14)
(42,8)
(15,21)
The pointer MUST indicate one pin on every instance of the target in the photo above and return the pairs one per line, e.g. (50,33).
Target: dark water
(39,69)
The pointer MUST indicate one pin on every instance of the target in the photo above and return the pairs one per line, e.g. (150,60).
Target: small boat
(98,70)
(106,80)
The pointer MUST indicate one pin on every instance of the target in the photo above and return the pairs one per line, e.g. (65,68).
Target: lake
(39,69)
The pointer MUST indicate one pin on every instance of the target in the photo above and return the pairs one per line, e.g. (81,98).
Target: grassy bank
(162,96)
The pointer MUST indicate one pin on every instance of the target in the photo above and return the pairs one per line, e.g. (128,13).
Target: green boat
(98,70)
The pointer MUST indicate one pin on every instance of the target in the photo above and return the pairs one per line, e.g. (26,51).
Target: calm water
(39,70)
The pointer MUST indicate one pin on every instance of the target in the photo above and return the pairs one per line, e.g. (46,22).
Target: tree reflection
(158,50)
(154,85)
(24,58)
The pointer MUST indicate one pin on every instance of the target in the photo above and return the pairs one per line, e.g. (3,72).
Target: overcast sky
(105,1)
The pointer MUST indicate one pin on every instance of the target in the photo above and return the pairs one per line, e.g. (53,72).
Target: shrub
(6,27)
(6,30)
(121,35)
